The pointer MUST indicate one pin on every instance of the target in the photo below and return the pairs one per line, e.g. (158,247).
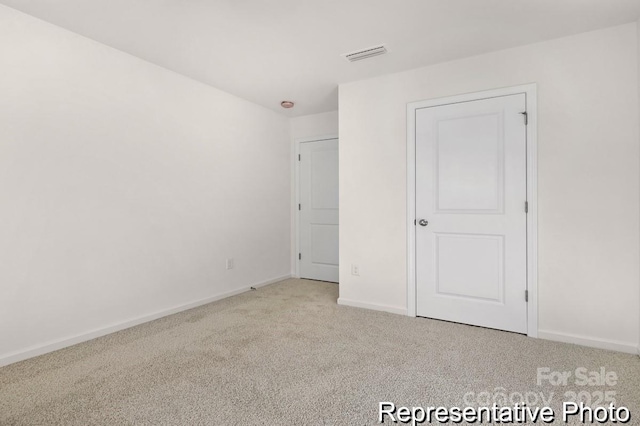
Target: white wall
(315,125)
(589,238)
(124,187)
(638,43)
(306,127)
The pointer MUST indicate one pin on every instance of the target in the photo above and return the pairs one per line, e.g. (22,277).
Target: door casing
(530,91)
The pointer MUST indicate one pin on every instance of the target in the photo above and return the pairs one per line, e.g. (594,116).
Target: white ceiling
(271,50)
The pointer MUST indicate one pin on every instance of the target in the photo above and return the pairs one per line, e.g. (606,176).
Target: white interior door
(318,210)
(471,191)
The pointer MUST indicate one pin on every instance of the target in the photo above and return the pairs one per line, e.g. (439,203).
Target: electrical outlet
(230,263)
(355,269)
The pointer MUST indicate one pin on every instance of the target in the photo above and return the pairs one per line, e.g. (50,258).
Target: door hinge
(526,117)
(415,221)
(526,295)
(299,206)
(299,156)
(526,207)
(299,256)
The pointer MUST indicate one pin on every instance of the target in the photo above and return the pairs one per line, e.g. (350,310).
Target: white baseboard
(70,341)
(373,306)
(611,345)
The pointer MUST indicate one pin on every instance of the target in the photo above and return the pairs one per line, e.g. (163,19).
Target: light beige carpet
(287,354)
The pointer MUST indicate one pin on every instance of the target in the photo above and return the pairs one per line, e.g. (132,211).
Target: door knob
(423,222)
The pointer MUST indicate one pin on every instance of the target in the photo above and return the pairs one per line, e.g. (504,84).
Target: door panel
(324,176)
(318,214)
(471,188)
(469,164)
(323,244)
(482,279)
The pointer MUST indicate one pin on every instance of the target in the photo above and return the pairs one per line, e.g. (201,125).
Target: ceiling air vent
(366,53)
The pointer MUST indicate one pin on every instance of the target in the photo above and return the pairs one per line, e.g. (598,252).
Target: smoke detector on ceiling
(287,104)
(366,53)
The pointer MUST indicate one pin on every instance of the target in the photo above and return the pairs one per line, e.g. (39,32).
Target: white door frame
(296,197)
(530,91)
